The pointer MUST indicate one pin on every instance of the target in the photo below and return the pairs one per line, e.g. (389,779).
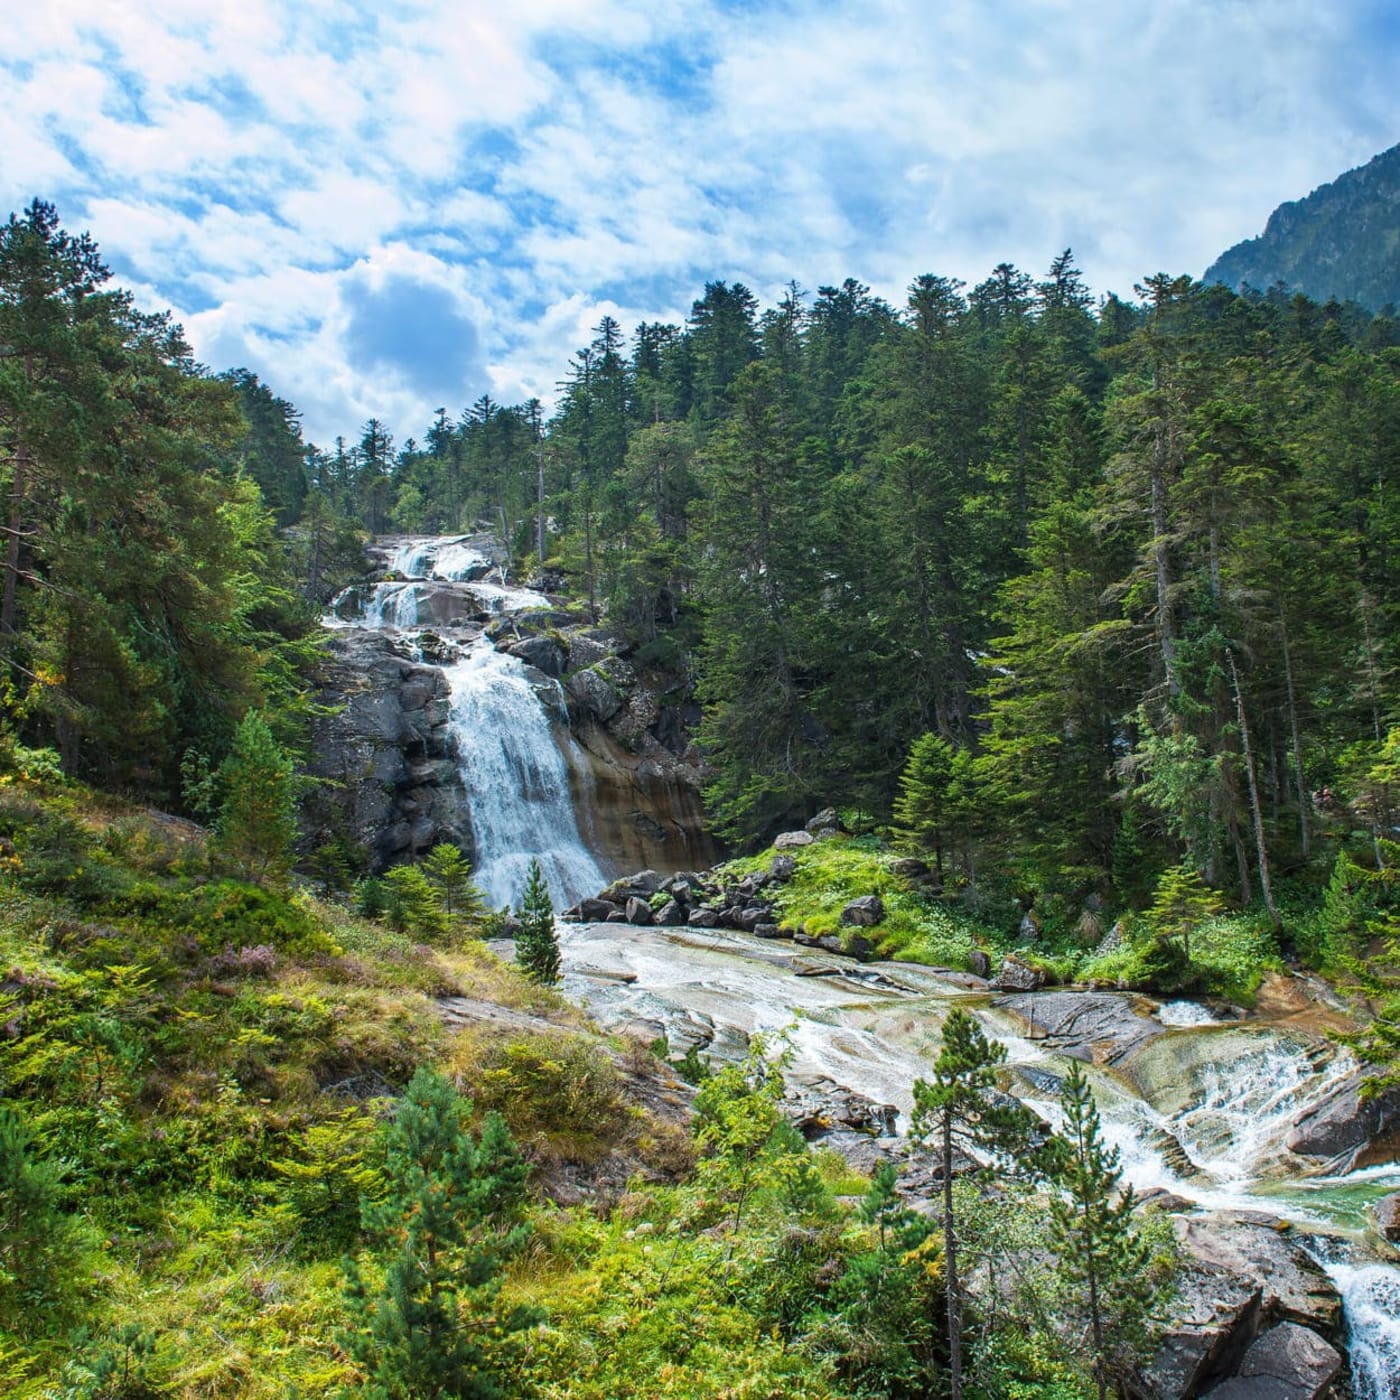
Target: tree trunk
(950,1258)
(18,490)
(1300,785)
(1264,882)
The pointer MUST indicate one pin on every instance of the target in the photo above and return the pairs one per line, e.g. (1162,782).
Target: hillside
(1342,241)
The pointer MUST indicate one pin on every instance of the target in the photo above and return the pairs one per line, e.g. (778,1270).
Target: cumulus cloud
(379,208)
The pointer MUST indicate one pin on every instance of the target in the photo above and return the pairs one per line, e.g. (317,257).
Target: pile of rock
(702,900)
(718,899)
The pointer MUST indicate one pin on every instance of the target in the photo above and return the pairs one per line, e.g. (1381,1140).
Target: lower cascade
(516,779)
(1199,1107)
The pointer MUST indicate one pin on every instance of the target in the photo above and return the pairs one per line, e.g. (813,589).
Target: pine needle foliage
(961,1110)
(1101,1255)
(444,1229)
(536,943)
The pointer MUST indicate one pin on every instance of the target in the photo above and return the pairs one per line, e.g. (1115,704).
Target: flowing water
(508,735)
(507,730)
(1204,1110)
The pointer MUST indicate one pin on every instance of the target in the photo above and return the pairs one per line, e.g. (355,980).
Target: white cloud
(258,160)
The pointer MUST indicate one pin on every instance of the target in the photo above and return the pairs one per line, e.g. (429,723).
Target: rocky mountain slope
(1342,241)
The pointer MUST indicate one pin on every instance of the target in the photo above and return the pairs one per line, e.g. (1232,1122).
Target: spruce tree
(414,905)
(443,1231)
(257,820)
(536,943)
(921,809)
(447,868)
(1181,904)
(961,1109)
(1101,1255)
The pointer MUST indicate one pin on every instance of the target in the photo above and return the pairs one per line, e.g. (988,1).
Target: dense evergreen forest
(1132,565)
(1090,603)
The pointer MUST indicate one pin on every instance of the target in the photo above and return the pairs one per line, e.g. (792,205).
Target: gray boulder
(782,868)
(670,914)
(1287,1363)
(1098,1027)
(1349,1131)
(638,912)
(979,964)
(703,918)
(543,653)
(1387,1216)
(1017,975)
(825,823)
(594,694)
(865,912)
(595,911)
(790,840)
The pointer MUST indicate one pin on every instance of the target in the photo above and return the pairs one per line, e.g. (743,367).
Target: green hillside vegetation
(1342,242)
(215,1095)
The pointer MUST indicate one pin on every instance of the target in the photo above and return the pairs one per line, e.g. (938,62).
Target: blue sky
(386,207)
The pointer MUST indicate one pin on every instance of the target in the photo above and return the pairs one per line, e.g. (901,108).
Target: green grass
(830,873)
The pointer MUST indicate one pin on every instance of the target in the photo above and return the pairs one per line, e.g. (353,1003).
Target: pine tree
(960,1109)
(1101,1255)
(257,820)
(414,905)
(35,1234)
(1181,904)
(536,943)
(443,1231)
(451,875)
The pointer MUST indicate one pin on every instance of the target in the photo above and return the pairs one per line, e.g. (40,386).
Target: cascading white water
(517,782)
(1371,1300)
(392,605)
(507,734)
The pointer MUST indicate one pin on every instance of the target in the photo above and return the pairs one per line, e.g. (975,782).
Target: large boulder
(1347,1130)
(1287,1363)
(594,694)
(543,653)
(1097,1027)
(1017,975)
(782,868)
(825,823)
(595,911)
(1387,1216)
(1257,1246)
(865,912)
(789,840)
(638,912)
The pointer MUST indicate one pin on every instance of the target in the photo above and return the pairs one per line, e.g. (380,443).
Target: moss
(830,873)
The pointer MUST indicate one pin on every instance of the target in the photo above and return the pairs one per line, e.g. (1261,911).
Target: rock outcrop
(1244,1278)
(1348,1130)
(385,757)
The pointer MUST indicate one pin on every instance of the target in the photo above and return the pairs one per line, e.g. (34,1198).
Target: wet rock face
(1349,1130)
(392,781)
(1250,1300)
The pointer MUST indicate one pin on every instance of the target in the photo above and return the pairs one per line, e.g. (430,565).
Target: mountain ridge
(1342,240)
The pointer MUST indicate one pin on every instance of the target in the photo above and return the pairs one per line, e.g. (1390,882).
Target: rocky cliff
(1342,241)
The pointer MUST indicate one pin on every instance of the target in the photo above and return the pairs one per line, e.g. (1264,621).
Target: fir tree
(447,868)
(1101,1255)
(414,905)
(257,820)
(921,810)
(958,1110)
(443,1231)
(1181,904)
(536,943)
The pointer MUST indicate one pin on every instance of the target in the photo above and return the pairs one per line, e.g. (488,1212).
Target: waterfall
(517,781)
(507,732)
(1371,1298)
